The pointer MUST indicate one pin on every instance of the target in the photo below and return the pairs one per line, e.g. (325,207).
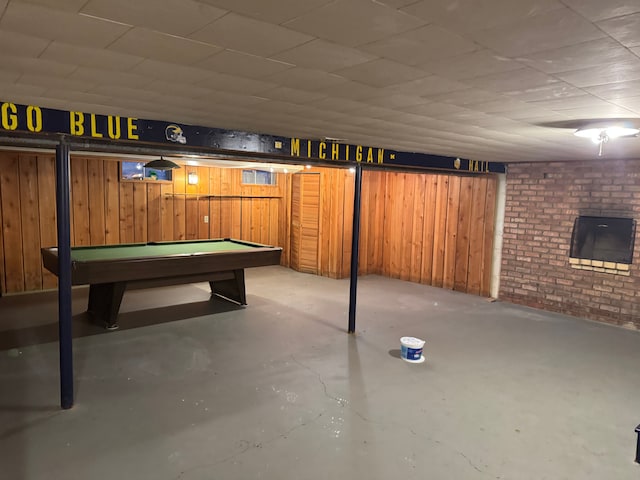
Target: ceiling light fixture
(161,164)
(601,135)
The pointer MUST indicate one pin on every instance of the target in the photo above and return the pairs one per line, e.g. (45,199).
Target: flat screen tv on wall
(603,238)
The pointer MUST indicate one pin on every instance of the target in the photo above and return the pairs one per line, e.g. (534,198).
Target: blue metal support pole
(355,248)
(64,274)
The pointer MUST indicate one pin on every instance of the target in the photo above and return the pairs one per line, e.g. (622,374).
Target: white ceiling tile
(169,88)
(65,5)
(471,15)
(595,53)
(624,29)
(66,83)
(603,111)
(513,81)
(166,16)
(434,109)
(470,65)
(305,79)
(89,57)
(292,95)
(355,91)
(631,103)
(159,46)
(181,74)
(382,73)
(429,85)
(596,10)
(616,90)
(57,25)
(99,76)
(420,45)
(244,65)
(615,72)
(547,92)
(21,45)
(35,65)
(546,31)
(234,84)
(578,101)
(465,97)
(322,55)
(248,35)
(275,12)
(354,22)
(397,100)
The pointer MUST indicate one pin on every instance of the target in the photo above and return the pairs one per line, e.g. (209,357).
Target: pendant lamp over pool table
(161,164)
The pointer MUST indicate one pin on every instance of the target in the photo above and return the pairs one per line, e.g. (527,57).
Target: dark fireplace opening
(609,239)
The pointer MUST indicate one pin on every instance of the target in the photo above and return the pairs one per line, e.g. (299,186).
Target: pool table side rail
(144,268)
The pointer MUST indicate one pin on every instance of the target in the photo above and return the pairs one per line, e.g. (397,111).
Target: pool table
(111,269)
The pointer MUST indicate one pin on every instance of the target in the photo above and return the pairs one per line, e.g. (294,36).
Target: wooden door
(305,215)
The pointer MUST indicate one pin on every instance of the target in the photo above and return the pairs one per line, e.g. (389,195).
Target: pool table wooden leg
(233,288)
(104,302)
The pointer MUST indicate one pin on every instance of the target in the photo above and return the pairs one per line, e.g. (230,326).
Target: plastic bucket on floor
(411,349)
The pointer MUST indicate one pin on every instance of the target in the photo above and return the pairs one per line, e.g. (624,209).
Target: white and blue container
(411,349)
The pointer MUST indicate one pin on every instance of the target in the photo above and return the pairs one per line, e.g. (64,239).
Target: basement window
(258,177)
(603,240)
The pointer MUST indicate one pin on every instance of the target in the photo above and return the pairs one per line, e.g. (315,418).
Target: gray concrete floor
(190,389)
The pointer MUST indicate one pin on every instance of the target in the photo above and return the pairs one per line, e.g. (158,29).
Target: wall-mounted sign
(34,119)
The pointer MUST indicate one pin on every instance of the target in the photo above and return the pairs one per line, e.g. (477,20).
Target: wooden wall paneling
(377,233)
(179,181)
(417,233)
(167,212)
(154,212)
(204,208)
(439,230)
(407,214)
(11,222)
(179,217)
(111,170)
(126,212)
(451,233)
(324,222)
(236,217)
(347,234)
(226,218)
(96,192)
(215,220)
(80,201)
(296,220)
(309,223)
(396,209)
(489,228)
(476,236)
(30,223)
(284,230)
(246,232)
(257,219)
(204,218)
(462,240)
(3,286)
(140,206)
(387,240)
(428,240)
(337,224)
(191,217)
(46,212)
(366,208)
(273,236)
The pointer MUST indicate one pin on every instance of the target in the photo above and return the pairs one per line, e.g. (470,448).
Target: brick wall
(543,200)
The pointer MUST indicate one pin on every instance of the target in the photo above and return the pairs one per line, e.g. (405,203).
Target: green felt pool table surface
(160,249)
